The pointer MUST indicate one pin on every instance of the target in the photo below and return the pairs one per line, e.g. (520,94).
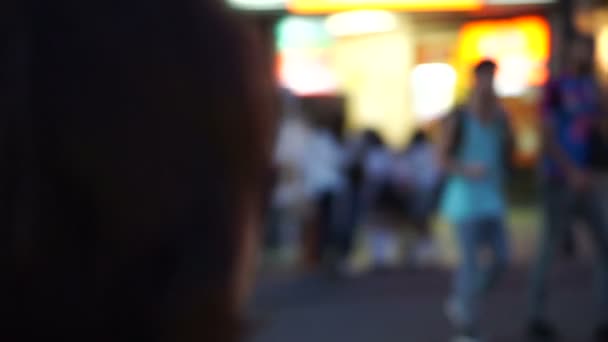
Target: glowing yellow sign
(331,6)
(520,46)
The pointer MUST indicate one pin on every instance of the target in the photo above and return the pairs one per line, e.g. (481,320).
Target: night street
(407,306)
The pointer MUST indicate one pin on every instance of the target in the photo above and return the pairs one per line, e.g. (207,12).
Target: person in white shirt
(418,175)
(381,204)
(323,165)
(290,199)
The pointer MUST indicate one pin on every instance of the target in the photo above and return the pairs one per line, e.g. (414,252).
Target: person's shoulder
(559,79)
(455,115)
(459,109)
(502,111)
(568,79)
(379,151)
(381,154)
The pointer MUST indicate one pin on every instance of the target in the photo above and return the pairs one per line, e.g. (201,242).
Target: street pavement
(407,306)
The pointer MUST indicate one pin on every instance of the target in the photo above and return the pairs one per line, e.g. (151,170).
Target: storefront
(401,63)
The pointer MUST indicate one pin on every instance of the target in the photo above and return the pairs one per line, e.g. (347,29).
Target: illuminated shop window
(303,56)
(602,49)
(520,46)
(433,86)
(258,5)
(360,22)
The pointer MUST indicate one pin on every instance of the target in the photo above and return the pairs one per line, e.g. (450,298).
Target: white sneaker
(455,313)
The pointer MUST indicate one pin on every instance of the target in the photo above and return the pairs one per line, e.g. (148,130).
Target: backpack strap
(456,122)
(508,149)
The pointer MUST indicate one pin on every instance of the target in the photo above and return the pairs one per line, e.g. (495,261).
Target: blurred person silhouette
(571,189)
(350,207)
(382,205)
(290,204)
(324,181)
(474,153)
(135,151)
(348,200)
(418,173)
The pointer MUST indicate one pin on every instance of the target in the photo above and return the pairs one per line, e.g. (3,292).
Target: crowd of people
(339,184)
(360,184)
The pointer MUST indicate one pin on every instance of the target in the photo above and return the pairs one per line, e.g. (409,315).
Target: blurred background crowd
(304,170)
(367,89)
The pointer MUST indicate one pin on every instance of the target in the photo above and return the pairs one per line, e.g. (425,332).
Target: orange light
(520,46)
(332,6)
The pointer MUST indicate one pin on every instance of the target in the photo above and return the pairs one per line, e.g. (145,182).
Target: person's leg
(465,288)
(497,241)
(381,239)
(425,251)
(568,243)
(324,217)
(419,211)
(558,217)
(289,236)
(347,220)
(595,219)
(601,332)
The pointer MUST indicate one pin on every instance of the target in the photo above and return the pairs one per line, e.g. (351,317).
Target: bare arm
(553,150)
(446,160)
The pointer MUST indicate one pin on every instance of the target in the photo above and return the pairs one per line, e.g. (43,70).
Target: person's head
(146,125)
(484,73)
(419,137)
(372,139)
(579,53)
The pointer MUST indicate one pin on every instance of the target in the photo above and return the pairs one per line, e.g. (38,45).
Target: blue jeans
(562,207)
(472,280)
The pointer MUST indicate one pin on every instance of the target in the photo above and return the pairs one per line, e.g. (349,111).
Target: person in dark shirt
(571,189)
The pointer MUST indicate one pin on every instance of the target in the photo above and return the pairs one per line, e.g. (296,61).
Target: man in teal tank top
(473,200)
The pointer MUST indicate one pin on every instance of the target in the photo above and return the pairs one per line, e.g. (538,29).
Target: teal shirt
(465,198)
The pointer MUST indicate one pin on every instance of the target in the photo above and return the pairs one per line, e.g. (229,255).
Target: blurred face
(580,56)
(484,81)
